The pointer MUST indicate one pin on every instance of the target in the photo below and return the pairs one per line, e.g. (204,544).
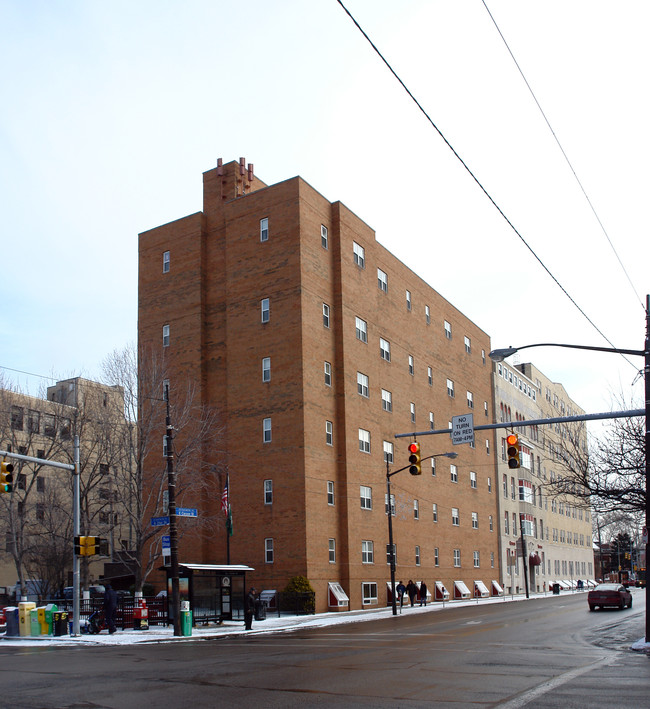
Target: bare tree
(141,477)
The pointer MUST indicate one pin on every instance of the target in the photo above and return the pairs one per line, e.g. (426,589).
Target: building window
(448,330)
(367,552)
(436,557)
(362,384)
(323,237)
(468,345)
(474,520)
(384,349)
(266,430)
(485,408)
(492,561)
(506,523)
(472,479)
(427,315)
(328,433)
(33,421)
(453,471)
(165,335)
(412,412)
(264,229)
(487,446)
(359,255)
(268,550)
(450,388)
(366,497)
(369,593)
(408,300)
(268,492)
(104,468)
(382,281)
(326,315)
(455,517)
(40,483)
(411,365)
(457,558)
(433,466)
(386,400)
(266,369)
(362,329)
(166,262)
(364,440)
(416,509)
(491,523)
(435,511)
(327,368)
(49,425)
(430,376)
(265,308)
(477,560)
(470,400)
(388,452)
(330,492)
(332,551)
(431,426)
(417,555)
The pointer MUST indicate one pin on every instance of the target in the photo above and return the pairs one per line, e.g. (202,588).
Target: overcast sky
(113,110)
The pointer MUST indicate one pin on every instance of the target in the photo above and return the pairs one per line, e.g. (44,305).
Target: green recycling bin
(34,624)
(186,623)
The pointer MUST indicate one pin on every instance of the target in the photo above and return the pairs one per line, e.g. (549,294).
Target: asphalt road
(549,653)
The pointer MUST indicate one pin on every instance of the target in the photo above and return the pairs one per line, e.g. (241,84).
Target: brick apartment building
(317,346)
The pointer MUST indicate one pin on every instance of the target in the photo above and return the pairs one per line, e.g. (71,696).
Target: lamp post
(500,354)
(389,512)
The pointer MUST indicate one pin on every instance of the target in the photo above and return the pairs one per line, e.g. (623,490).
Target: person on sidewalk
(412,591)
(401,590)
(423,593)
(110,607)
(249,609)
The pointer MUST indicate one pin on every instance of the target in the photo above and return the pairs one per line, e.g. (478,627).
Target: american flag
(224,500)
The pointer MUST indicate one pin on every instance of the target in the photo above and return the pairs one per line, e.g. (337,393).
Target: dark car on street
(612,595)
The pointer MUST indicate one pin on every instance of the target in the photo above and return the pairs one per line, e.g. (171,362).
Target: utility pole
(173,532)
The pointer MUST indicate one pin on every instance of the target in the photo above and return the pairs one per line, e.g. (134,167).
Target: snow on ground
(159,634)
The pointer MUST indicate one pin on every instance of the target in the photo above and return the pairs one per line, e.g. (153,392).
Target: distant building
(318,346)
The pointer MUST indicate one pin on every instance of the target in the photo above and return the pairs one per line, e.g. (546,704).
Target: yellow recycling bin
(25,618)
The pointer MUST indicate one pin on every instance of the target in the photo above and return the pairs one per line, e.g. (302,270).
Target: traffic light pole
(173,531)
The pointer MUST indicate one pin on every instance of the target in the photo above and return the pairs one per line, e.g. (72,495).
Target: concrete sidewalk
(272,624)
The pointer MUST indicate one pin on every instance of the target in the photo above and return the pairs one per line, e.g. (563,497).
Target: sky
(113,110)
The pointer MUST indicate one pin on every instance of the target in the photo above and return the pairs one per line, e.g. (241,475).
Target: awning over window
(337,597)
(442,594)
(461,590)
(496,589)
(480,590)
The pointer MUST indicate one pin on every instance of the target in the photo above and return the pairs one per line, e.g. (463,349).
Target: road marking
(531,694)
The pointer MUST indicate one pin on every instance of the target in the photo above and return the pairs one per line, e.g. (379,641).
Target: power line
(476,180)
(566,157)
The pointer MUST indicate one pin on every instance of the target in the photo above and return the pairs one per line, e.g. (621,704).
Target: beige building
(36,520)
(556,531)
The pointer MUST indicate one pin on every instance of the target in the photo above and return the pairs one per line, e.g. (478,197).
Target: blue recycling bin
(13,622)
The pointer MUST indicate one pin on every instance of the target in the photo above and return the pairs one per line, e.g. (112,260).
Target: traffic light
(512,445)
(414,459)
(89,546)
(6,477)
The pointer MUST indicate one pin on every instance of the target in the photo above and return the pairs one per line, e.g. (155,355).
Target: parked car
(613,595)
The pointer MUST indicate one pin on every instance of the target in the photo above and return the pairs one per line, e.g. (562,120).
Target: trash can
(186,623)
(556,589)
(13,623)
(260,609)
(60,623)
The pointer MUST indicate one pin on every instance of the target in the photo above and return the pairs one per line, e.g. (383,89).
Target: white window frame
(363,388)
(361,327)
(455,517)
(327,370)
(473,480)
(430,375)
(382,280)
(457,558)
(408,300)
(434,510)
(359,254)
(265,310)
(470,400)
(411,365)
(326,315)
(447,330)
(365,494)
(468,345)
(331,544)
(364,440)
(267,430)
(453,472)
(416,509)
(166,261)
(165,335)
(474,520)
(417,555)
(329,433)
(268,492)
(367,551)
(330,493)
(386,400)
(324,238)
(266,369)
(436,556)
(384,349)
(431,422)
(450,388)
(369,595)
(388,452)
(269,554)
(264,229)
(427,315)
(477,559)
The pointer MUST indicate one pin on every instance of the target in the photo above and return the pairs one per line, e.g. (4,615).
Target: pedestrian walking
(110,607)
(423,593)
(249,609)
(412,591)
(401,590)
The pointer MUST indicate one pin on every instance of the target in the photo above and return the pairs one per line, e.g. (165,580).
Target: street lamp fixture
(391,547)
(499,355)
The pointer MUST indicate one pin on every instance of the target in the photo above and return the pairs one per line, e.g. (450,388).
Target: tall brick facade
(275,302)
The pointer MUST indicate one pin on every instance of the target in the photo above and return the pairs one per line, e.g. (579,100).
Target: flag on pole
(224,500)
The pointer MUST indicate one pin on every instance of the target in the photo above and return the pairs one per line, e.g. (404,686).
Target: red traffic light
(414,448)
(414,459)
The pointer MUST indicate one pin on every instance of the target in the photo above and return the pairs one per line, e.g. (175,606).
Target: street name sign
(187,512)
(159,521)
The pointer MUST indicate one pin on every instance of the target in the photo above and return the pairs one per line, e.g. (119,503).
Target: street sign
(166,541)
(159,521)
(187,512)
(462,429)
